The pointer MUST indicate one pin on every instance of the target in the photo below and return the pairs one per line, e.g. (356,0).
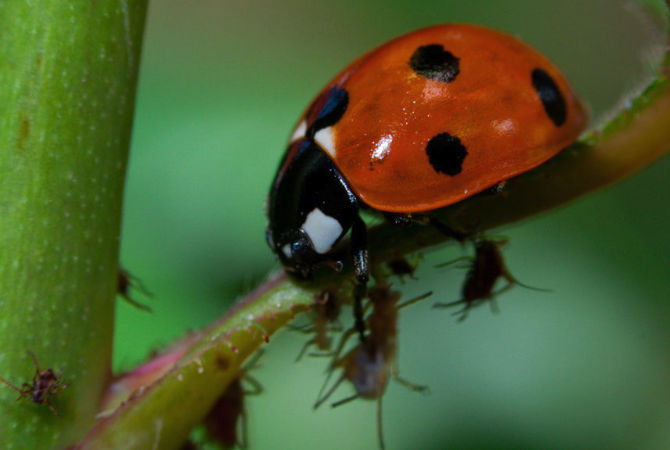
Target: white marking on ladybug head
(322,230)
(299,132)
(286,249)
(324,137)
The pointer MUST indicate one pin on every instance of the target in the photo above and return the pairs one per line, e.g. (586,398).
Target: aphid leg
(323,398)
(252,363)
(380,428)
(320,398)
(51,407)
(304,349)
(343,340)
(344,400)
(411,386)
(126,281)
(19,391)
(359,249)
(304,328)
(532,288)
(449,304)
(491,251)
(463,312)
(395,373)
(411,301)
(137,283)
(493,302)
(243,440)
(256,387)
(61,386)
(469,260)
(35,363)
(321,355)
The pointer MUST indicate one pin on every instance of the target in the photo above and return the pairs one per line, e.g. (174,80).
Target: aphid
(324,317)
(228,415)
(125,282)
(226,422)
(45,385)
(485,269)
(370,364)
(400,267)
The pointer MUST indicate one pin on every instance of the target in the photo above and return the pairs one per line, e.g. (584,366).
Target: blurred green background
(585,366)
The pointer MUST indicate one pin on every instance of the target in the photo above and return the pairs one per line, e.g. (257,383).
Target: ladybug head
(296,252)
(310,208)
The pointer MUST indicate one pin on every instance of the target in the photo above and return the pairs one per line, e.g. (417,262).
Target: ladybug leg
(447,230)
(411,301)
(359,250)
(402,219)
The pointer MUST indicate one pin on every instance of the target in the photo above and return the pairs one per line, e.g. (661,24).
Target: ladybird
(420,123)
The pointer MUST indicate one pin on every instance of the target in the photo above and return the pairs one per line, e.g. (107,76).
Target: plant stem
(68,73)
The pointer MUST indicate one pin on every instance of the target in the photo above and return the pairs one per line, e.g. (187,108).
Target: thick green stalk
(68,72)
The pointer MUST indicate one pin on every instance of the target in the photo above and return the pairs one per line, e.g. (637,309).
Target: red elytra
(490,110)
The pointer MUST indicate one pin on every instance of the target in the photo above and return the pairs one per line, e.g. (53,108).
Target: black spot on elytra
(550,95)
(332,107)
(435,63)
(446,154)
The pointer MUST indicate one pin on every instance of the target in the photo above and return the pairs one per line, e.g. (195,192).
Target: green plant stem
(162,415)
(68,73)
